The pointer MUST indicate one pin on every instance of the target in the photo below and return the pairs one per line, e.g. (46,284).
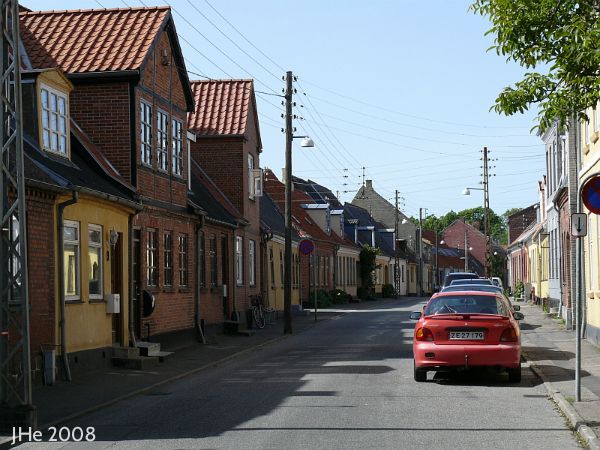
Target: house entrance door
(116,281)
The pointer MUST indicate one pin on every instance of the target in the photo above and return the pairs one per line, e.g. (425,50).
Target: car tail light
(424,334)
(509,335)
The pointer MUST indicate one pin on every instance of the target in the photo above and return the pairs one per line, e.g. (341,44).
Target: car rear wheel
(420,375)
(514,375)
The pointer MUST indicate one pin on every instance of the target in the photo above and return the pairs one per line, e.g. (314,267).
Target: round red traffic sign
(306,247)
(591,195)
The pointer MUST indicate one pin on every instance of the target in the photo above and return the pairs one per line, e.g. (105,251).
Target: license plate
(470,335)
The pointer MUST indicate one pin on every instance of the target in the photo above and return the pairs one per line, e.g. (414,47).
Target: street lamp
(306,142)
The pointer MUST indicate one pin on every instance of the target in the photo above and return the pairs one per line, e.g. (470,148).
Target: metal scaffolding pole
(16,407)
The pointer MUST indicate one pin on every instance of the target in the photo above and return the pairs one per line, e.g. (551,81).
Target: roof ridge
(93,10)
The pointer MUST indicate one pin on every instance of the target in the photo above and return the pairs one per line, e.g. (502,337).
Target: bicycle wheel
(259,316)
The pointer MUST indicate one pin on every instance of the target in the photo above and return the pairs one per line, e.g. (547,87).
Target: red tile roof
(92,40)
(222,106)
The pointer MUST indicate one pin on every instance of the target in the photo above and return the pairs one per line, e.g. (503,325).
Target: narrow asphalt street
(347,383)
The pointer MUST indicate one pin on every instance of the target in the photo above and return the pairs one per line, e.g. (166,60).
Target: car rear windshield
(484,304)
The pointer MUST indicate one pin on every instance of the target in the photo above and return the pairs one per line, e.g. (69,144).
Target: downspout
(198,324)
(132,342)
(234,276)
(61,283)
(267,236)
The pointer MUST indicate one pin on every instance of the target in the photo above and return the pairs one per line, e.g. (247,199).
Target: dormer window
(55,121)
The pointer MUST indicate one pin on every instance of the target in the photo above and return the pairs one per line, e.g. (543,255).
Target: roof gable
(223,107)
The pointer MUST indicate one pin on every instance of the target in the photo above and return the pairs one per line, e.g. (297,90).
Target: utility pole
(16,409)
(435,280)
(466,253)
(488,226)
(289,137)
(396,249)
(420,243)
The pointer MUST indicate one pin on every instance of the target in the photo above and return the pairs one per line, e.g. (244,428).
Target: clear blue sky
(400,87)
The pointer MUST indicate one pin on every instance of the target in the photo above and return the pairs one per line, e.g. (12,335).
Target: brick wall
(175,305)
(454,235)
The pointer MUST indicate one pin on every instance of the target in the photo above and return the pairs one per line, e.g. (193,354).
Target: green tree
(558,37)
(368,264)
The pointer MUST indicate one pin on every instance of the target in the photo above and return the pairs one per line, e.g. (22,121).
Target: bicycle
(258,312)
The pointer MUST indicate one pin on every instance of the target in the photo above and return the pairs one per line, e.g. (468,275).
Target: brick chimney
(462,219)
(369,184)
(476,225)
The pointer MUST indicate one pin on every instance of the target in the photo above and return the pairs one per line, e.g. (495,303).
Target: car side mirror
(518,316)
(516,307)
(436,288)
(415,316)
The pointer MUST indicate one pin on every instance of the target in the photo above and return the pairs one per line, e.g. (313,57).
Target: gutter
(61,283)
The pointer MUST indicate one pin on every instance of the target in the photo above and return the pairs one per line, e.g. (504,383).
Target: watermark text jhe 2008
(62,434)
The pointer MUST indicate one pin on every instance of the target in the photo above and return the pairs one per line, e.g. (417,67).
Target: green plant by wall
(519,288)
(366,294)
(368,264)
(323,299)
(388,291)
(338,297)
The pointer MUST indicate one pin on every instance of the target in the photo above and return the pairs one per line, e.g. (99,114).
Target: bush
(519,288)
(323,299)
(338,297)
(366,294)
(388,291)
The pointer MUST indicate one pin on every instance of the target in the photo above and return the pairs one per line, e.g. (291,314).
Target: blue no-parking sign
(306,247)
(590,195)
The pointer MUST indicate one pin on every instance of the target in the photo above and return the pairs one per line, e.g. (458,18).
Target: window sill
(273,287)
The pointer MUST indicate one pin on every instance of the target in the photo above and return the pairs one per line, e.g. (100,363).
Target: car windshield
(471,281)
(466,303)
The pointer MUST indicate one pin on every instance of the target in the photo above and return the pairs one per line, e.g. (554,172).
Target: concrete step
(135,363)
(148,348)
(164,356)
(126,352)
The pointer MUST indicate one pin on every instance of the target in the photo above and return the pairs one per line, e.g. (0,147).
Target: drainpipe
(61,283)
(198,325)
(234,275)
(131,286)
(267,236)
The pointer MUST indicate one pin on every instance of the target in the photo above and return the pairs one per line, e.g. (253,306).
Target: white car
(497,282)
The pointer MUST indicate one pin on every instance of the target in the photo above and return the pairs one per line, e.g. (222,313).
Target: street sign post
(306,247)
(578,225)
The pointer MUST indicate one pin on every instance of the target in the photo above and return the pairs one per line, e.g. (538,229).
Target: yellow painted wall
(346,286)
(590,162)
(412,279)
(88,326)
(274,287)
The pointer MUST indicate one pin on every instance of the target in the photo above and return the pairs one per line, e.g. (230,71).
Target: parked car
(483,288)
(471,281)
(450,277)
(462,330)
(496,281)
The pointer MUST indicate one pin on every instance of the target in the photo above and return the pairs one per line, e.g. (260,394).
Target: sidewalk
(549,349)
(547,346)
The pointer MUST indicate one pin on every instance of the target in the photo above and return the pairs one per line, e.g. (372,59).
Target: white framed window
(239,259)
(183,260)
(252,262)
(586,131)
(71,262)
(162,140)
(591,258)
(95,260)
(177,147)
(152,257)
(168,258)
(55,121)
(146,132)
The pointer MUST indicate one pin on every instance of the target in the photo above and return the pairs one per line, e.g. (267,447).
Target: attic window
(306,218)
(55,121)
(297,221)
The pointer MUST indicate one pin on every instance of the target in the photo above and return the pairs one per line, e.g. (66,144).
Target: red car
(462,330)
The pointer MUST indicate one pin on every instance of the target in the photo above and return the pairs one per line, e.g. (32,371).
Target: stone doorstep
(125,352)
(148,348)
(164,356)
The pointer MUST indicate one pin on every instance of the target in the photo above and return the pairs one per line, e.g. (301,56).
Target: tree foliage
(368,264)
(558,37)
(499,224)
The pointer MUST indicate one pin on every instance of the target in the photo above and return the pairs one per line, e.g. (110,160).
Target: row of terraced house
(149,216)
(542,251)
